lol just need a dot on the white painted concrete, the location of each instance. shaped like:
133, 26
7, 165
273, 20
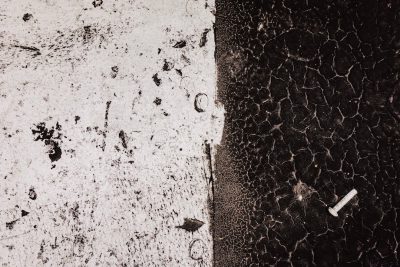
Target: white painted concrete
101, 203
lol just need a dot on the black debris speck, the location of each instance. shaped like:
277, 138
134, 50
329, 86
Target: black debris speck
191, 225
27, 16
55, 151
77, 118
114, 71
123, 137
156, 80
97, 3
32, 194
167, 65
42, 133
24, 213
180, 44
179, 72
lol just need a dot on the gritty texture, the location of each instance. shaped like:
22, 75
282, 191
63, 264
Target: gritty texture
311, 93
103, 154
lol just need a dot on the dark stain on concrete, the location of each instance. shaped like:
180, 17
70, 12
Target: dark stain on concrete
10, 225
203, 39
167, 65
51, 137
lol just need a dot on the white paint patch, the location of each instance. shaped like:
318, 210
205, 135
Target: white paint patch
133, 162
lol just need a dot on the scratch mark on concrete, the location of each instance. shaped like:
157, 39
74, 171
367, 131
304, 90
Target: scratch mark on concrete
105, 130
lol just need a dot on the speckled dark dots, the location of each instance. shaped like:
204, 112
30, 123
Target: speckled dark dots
157, 101
10, 225
310, 91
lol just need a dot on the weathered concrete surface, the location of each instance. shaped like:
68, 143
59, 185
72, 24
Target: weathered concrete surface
312, 98
103, 151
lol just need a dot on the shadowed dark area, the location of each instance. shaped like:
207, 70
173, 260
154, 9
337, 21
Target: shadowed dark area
311, 92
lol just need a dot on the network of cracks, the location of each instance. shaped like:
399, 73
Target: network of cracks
312, 99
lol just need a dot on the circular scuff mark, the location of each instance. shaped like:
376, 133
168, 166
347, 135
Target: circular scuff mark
196, 249
201, 102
